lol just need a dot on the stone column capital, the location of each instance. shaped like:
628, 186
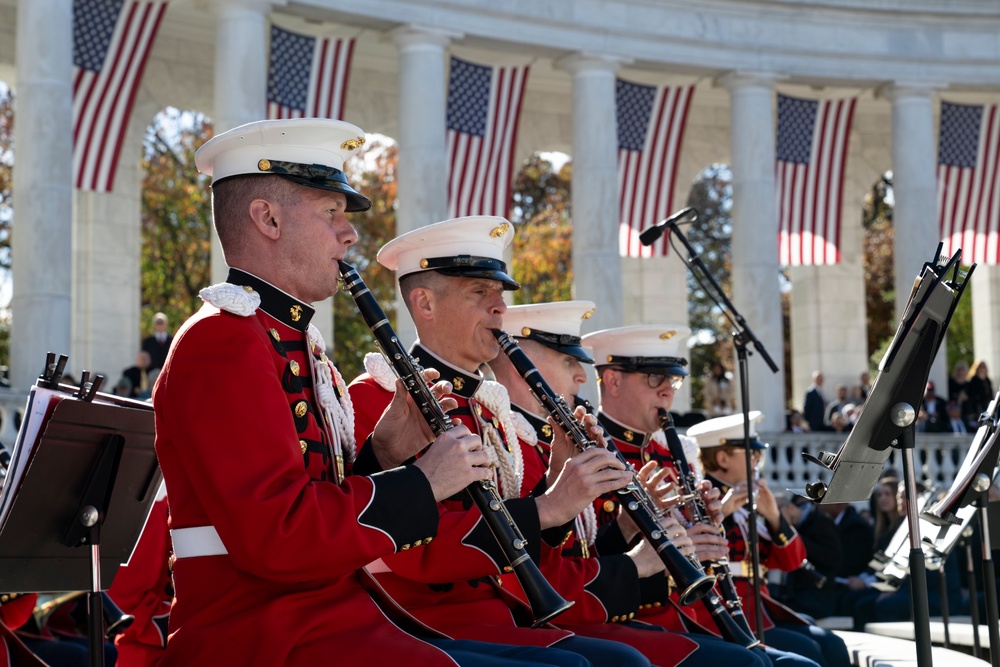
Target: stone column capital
415, 36
897, 91
740, 79
587, 61
223, 6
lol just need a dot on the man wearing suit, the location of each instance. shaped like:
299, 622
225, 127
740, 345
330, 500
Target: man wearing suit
159, 343
933, 413
814, 406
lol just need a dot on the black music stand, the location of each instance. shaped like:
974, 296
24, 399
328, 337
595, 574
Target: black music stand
888, 418
89, 481
971, 488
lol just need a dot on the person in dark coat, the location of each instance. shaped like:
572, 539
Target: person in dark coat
158, 344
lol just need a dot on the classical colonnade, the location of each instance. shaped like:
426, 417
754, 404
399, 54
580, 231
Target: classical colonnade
76, 276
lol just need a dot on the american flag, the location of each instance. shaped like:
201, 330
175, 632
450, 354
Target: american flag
484, 107
308, 76
968, 195
651, 123
111, 41
811, 155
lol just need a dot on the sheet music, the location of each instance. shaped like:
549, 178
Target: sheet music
41, 402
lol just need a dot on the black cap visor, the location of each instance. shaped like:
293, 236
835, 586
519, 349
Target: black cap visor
467, 266
318, 176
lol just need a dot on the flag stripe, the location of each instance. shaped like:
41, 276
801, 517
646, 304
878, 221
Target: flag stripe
651, 123
968, 197
809, 175
103, 98
308, 76
484, 108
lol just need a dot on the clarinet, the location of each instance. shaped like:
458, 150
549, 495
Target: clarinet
692, 581
544, 601
728, 616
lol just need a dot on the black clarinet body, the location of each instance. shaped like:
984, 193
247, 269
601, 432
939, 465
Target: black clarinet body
728, 612
691, 581
544, 601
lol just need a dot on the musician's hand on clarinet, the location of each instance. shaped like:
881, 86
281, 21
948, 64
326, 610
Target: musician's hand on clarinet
583, 478
712, 498
735, 498
767, 506
563, 446
709, 543
647, 562
454, 461
658, 485
670, 522
402, 431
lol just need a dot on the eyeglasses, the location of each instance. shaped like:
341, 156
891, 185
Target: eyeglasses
655, 380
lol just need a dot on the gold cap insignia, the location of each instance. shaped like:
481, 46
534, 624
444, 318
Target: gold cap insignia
629, 436
274, 334
458, 383
301, 409
525, 331
264, 165
668, 335
296, 312
499, 230
353, 144
610, 358
294, 367
587, 315
609, 506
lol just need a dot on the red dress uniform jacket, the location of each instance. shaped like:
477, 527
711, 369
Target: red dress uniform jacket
781, 550
659, 606
242, 451
143, 588
15, 611
456, 583
605, 589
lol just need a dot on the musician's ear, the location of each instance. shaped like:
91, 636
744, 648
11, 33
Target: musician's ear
421, 303
263, 215
611, 379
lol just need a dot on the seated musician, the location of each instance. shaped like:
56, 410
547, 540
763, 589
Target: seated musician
723, 457
269, 528
452, 277
610, 589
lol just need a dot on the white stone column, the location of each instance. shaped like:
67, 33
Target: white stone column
914, 180
597, 266
985, 297
755, 247
43, 188
423, 163
107, 253
240, 94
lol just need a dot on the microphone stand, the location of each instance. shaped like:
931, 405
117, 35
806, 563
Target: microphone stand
742, 337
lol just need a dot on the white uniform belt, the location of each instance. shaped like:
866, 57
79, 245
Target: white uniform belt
741, 568
197, 541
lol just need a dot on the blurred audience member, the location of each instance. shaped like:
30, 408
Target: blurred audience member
933, 415
138, 374
796, 423
720, 392
980, 390
814, 405
836, 405
158, 344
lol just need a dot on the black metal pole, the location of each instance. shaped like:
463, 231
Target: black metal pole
970, 569
944, 605
989, 583
904, 415
753, 539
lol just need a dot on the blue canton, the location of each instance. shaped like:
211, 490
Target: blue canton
469, 97
634, 105
291, 63
93, 27
796, 125
960, 127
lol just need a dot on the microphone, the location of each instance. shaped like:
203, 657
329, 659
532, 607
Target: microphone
649, 236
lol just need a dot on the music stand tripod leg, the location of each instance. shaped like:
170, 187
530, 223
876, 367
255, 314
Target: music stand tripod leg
989, 586
904, 415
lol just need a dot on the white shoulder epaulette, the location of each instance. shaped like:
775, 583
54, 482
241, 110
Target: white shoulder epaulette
231, 298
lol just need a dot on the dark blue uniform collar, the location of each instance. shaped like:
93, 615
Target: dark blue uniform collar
463, 384
621, 432
280, 305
